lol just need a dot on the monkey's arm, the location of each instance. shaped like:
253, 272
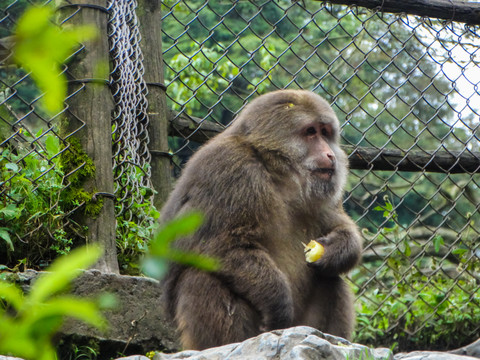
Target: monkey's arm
250, 273
343, 247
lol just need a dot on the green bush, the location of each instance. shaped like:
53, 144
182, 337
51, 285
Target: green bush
32, 216
411, 302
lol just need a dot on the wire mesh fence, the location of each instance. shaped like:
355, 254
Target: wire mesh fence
32, 221
404, 87
131, 157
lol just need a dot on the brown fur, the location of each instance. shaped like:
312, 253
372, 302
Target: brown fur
262, 187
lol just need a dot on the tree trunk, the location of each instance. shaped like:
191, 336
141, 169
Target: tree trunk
150, 23
89, 110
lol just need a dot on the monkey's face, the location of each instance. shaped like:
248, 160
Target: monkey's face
320, 158
312, 135
323, 162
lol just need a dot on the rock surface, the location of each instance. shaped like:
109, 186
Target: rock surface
137, 324
432, 355
300, 342
470, 350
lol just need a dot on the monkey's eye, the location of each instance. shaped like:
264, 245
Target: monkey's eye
325, 132
310, 131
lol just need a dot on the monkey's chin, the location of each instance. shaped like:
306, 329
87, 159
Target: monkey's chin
322, 186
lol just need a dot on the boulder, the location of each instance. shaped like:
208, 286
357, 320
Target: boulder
431, 355
470, 350
137, 324
300, 342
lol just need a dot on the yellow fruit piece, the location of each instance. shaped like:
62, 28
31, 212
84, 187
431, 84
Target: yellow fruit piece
313, 251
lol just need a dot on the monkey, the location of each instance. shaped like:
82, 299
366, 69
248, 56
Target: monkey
272, 180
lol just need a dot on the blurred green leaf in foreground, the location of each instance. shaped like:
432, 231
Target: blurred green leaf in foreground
41, 47
28, 322
161, 253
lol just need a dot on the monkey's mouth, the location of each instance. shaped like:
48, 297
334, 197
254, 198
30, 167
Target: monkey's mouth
324, 173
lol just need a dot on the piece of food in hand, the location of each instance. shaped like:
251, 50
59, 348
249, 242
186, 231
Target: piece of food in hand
313, 251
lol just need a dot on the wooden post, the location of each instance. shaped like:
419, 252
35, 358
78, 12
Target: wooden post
149, 16
89, 122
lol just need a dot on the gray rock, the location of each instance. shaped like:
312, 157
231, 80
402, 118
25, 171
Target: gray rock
470, 350
137, 325
431, 355
300, 342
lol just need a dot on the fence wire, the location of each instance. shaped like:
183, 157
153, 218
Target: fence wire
131, 157
397, 82
41, 166
34, 227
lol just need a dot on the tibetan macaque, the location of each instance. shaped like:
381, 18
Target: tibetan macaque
268, 185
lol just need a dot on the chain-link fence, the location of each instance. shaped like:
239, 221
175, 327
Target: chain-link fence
54, 186
406, 91
404, 87
32, 222
131, 156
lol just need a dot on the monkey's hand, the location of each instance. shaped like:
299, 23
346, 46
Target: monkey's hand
342, 250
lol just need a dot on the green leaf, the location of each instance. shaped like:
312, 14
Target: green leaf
408, 250
63, 271
12, 166
191, 259
4, 234
52, 144
438, 242
459, 251
27, 331
388, 206
177, 228
11, 294
41, 47
19, 345
160, 253
9, 212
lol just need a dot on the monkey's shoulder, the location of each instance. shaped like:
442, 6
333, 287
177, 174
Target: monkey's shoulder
229, 159
224, 174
